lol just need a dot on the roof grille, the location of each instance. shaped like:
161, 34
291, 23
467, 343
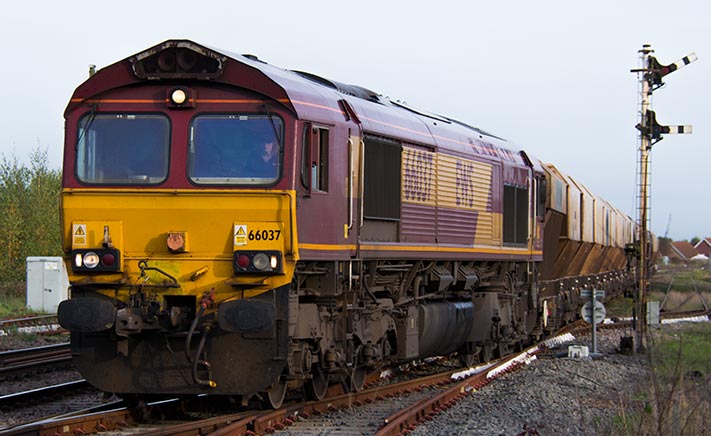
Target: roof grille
177, 60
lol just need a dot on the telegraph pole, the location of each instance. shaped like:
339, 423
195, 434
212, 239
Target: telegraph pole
650, 76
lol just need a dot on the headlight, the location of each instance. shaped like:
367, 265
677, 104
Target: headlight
181, 97
91, 259
260, 261
178, 96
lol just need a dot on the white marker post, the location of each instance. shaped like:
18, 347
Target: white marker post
593, 312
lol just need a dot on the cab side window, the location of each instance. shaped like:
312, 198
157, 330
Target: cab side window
314, 159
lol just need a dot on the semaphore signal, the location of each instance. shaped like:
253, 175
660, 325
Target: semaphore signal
655, 70
654, 131
650, 76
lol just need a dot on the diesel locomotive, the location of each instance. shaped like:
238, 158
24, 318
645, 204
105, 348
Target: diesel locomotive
234, 228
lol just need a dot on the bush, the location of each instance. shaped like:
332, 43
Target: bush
29, 214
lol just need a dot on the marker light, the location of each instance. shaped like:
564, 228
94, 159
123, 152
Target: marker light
243, 261
274, 262
108, 259
178, 97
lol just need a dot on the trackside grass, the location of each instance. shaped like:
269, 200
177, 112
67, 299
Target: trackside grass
12, 300
676, 401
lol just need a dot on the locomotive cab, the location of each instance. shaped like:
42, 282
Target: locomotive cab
178, 214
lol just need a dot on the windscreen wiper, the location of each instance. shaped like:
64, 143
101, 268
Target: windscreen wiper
274, 127
90, 121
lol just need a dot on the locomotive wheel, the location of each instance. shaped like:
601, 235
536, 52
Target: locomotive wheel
137, 408
358, 375
317, 386
502, 349
274, 396
469, 355
485, 353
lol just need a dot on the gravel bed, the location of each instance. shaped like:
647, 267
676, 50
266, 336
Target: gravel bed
552, 396
19, 341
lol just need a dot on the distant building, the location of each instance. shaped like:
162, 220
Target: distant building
704, 247
682, 251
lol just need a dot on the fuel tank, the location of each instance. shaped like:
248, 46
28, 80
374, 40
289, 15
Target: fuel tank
444, 327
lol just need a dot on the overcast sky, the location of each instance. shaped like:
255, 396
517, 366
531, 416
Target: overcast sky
552, 76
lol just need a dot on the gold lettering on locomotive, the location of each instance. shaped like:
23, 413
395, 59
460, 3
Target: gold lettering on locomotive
418, 176
465, 184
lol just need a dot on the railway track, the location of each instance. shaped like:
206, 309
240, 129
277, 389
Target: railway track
388, 398
388, 409
41, 381
25, 359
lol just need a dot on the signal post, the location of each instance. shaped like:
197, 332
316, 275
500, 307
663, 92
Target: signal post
650, 76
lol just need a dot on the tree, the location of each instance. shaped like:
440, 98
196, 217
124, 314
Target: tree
695, 240
29, 213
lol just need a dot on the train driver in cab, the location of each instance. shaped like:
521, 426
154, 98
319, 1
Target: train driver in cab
265, 163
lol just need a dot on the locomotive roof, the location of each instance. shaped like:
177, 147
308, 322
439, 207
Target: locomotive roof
308, 96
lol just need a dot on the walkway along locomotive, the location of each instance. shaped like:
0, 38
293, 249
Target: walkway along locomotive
237, 229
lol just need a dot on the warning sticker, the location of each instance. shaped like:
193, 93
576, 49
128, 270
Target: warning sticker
240, 234
78, 235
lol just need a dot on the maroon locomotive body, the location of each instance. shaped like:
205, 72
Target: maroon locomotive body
238, 229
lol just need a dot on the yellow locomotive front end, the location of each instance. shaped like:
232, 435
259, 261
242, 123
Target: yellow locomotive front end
179, 229
196, 241
180, 284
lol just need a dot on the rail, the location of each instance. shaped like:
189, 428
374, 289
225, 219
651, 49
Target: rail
22, 360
